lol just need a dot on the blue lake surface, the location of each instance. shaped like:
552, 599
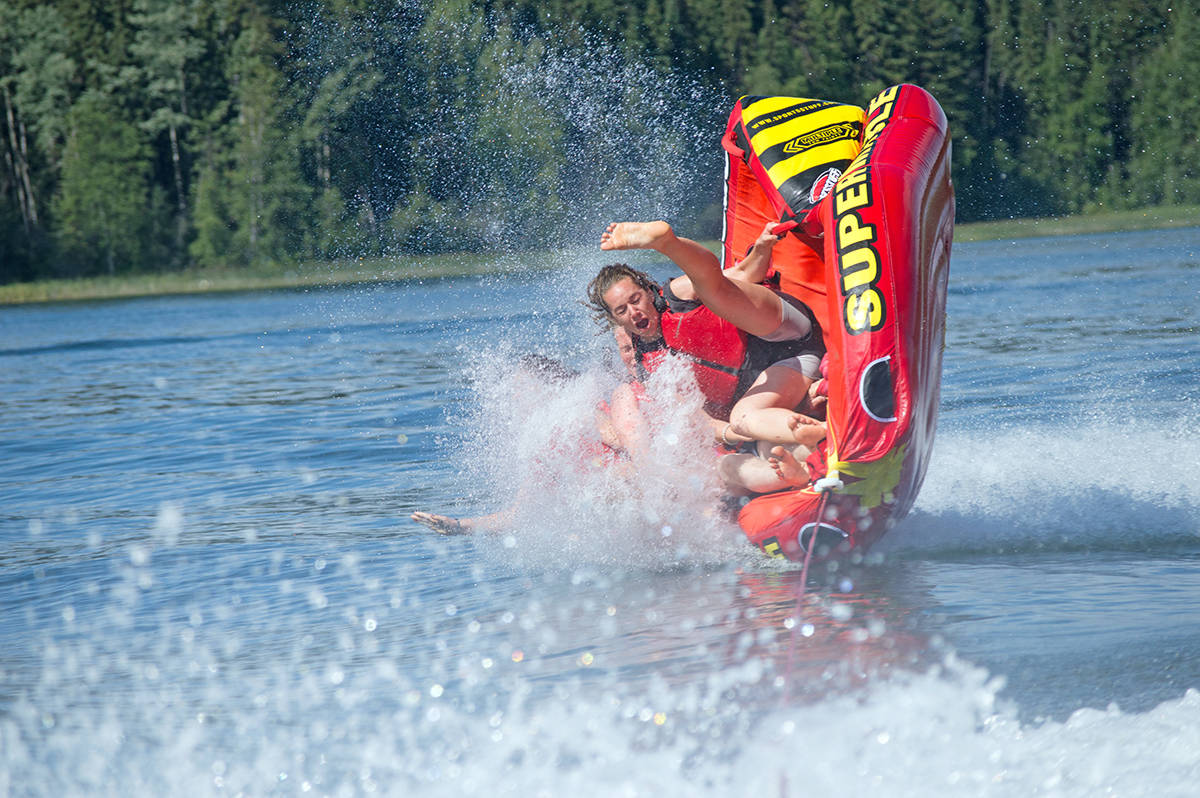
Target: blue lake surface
209, 584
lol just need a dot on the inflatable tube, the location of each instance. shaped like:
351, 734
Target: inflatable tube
872, 224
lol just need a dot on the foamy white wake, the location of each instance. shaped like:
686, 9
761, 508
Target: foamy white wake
940, 733
1119, 485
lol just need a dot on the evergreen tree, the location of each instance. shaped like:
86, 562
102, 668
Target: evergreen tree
661, 32
889, 41
165, 44
516, 149
947, 64
249, 181
351, 78
282, 130
36, 89
764, 76
212, 214
101, 205
1165, 163
18, 204
100, 33
823, 51
448, 98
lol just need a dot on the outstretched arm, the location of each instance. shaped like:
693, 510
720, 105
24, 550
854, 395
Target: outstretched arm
749, 306
445, 525
750, 269
753, 268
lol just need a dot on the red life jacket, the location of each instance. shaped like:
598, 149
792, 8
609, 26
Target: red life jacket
718, 352
725, 359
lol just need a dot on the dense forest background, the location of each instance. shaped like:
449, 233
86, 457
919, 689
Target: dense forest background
141, 135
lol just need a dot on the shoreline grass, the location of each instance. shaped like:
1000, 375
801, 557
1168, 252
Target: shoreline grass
381, 270
1162, 218
261, 278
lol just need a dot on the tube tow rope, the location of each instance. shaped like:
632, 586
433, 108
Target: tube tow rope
824, 486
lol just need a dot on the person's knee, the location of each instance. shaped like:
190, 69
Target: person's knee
730, 472
738, 418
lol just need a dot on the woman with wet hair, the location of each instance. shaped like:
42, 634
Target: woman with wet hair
756, 352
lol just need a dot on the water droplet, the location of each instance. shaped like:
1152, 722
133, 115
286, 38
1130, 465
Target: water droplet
169, 522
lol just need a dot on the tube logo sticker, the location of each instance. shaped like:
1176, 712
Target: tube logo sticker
824, 135
771, 548
863, 305
823, 185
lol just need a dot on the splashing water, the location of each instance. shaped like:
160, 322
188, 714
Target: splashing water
534, 442
493, 135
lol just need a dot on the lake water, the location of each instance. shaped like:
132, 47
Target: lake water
209, 584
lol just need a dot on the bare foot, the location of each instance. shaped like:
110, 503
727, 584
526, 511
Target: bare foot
806, 430
634, 235
789, 469
443, 525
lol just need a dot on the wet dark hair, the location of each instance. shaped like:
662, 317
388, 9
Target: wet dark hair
548, 368
608, 277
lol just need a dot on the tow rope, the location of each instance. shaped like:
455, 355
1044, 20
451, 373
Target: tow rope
825, 486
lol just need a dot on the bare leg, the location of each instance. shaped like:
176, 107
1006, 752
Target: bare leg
790, 470
747, 474
749, 306
608, 432
628, 423
765, 412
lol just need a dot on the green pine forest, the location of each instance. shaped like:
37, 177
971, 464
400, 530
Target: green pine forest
157, 135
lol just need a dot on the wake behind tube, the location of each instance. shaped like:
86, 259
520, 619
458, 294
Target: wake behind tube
887, 227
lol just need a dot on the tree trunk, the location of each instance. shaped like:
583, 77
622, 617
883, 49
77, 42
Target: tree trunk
181, 201
19, 162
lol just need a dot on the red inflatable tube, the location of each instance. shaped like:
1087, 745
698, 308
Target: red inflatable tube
887, 227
